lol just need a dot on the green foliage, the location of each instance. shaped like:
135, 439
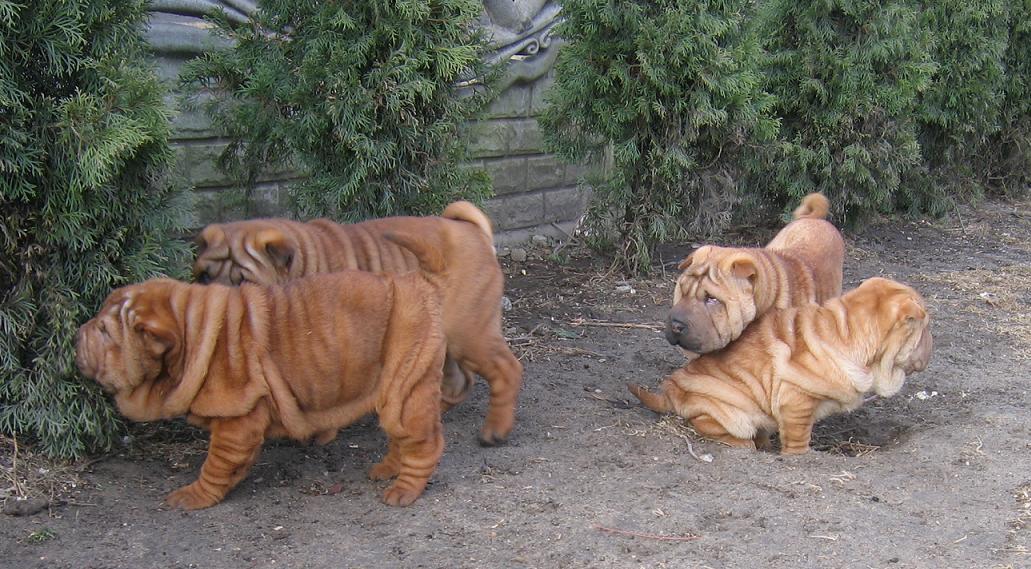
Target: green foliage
1009, 152
359, 97
666, 94
847, 75
41, 535
86, 205
961, 109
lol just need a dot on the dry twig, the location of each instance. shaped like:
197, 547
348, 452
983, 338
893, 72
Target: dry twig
602, 324
686, 537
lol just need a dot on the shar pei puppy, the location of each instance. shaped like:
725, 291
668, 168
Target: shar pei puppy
270, 251
298, 361
797, 365
722, 289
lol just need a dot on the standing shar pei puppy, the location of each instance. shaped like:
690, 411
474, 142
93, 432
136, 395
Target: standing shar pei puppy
269, 251
298, 361
798, 365
722, 289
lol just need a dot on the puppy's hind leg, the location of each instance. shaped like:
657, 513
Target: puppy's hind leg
710, 428
658, 402
490, 357
456, 386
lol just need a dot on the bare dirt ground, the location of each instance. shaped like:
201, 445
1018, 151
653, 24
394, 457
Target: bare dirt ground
937, 476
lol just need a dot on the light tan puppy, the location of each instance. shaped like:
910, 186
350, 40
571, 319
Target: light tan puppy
722, 289
298, 361
797, 365
270, 251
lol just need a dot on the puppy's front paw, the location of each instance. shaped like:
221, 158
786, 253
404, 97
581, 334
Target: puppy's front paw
191, 497
384, 470
396, 496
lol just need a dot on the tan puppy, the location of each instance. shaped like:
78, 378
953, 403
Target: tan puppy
270, 251
721, 289
797, 365
299, 361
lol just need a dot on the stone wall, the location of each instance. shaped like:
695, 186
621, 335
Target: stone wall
535, 194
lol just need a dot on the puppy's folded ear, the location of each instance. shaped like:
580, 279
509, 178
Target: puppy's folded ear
157, 340
910, 311
742, 267
690, 258
211, 236
279, 248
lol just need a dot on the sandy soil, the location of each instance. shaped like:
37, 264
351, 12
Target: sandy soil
938, 476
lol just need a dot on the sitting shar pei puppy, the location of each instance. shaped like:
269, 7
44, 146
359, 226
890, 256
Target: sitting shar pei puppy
797, 365
269, 251
298, 361
722, 289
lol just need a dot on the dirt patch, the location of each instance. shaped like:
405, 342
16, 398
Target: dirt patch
936, 476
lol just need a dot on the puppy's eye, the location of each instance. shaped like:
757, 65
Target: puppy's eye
203, 277
710, 301
103, 329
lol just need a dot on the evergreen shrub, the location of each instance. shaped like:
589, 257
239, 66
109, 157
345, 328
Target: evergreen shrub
847, 75
358, 97
961, 110
667, 95
1009, 151
86, 204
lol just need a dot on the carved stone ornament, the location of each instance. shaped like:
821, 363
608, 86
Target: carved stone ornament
519, 31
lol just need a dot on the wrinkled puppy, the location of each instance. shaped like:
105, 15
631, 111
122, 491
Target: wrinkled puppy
298, 361
797, 365
270, 251
722, 289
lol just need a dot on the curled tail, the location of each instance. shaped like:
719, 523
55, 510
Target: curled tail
658, 402
428, 250
465, 211
814, 206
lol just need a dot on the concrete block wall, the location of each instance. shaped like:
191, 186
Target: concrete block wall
535, 193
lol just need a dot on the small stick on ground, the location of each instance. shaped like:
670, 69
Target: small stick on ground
687, 537
19, 488
599, 323
703, 458
574, 351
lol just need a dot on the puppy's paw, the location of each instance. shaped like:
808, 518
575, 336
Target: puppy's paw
384, 470
495, 433
325, 437
191, 497
490, 439
395, 496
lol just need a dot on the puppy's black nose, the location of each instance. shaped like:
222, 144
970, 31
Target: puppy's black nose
674, 328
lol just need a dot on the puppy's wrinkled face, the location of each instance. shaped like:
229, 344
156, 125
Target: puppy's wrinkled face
907, 345
254, 251
124, 345
713, 300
